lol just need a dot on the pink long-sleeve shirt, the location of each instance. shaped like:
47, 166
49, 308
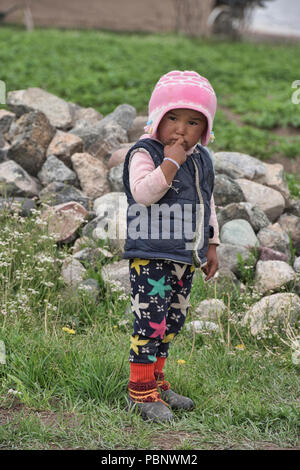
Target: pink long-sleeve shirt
148, 184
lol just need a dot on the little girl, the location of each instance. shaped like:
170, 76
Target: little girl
167, 169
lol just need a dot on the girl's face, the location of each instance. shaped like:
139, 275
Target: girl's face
184, 123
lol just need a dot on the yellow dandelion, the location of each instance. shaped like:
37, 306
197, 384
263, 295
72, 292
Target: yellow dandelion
115, 327
69, 330
241, 347
181, 361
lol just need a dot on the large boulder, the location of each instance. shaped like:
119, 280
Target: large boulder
117, 275
35, 99
64, 220
92, 174
15, 181
274, 310
210, 309
64, 145
228, 256
274, 237
6, 119
238, 232
267, 199
73, 272
32, 134
239, 165
59, 193
272, 275
111, 219
123, 115
54, 170
243, 210
137, 128
291, 225
227, 190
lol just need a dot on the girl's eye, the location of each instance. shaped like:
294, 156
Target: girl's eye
193, 123
172, 118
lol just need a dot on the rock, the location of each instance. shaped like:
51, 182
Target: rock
64, 145
137, 128
35, 99
267, 199
119, 155
201, 326
267, 254
118, 271
92, 174
274, 178
293, 207
4, 149
225, 279
111, 219
243, 210
115, 177
238, 232
291, 225
297, 265
100, 139
92, 255
276, 308
112, 136
6, 119
24, 206
15, 181
54, 170
81, 243
227, 190
123, 115
275, 238
228, 256
87, 114
210, 309
32, 135
64, 220
72, 271
272, 275
60, 193
240, 165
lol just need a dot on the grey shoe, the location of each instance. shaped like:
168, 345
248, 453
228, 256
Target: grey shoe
155, 411
177, 401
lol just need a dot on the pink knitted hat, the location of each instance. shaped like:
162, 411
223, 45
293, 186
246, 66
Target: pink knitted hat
185, 89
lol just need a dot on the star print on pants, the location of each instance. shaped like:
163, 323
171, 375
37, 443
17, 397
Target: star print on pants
159, 287
135, 342
159, 328
183, 305
137, 262
136, 305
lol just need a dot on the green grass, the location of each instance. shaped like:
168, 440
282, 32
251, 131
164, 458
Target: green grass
62, 390
67, 391
105, 69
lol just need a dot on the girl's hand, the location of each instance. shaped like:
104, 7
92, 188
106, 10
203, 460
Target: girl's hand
176, 151
212, 265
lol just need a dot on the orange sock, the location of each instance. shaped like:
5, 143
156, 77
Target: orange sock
142, 384
141, 372
159, 375
159, 364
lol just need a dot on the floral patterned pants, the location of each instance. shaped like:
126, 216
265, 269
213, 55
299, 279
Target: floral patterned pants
160, 299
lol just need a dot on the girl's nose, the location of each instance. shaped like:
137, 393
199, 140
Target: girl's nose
180, 128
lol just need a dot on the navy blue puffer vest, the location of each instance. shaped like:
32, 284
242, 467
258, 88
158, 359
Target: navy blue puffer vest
177, 226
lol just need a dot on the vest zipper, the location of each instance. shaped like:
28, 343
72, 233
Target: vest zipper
199, 234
